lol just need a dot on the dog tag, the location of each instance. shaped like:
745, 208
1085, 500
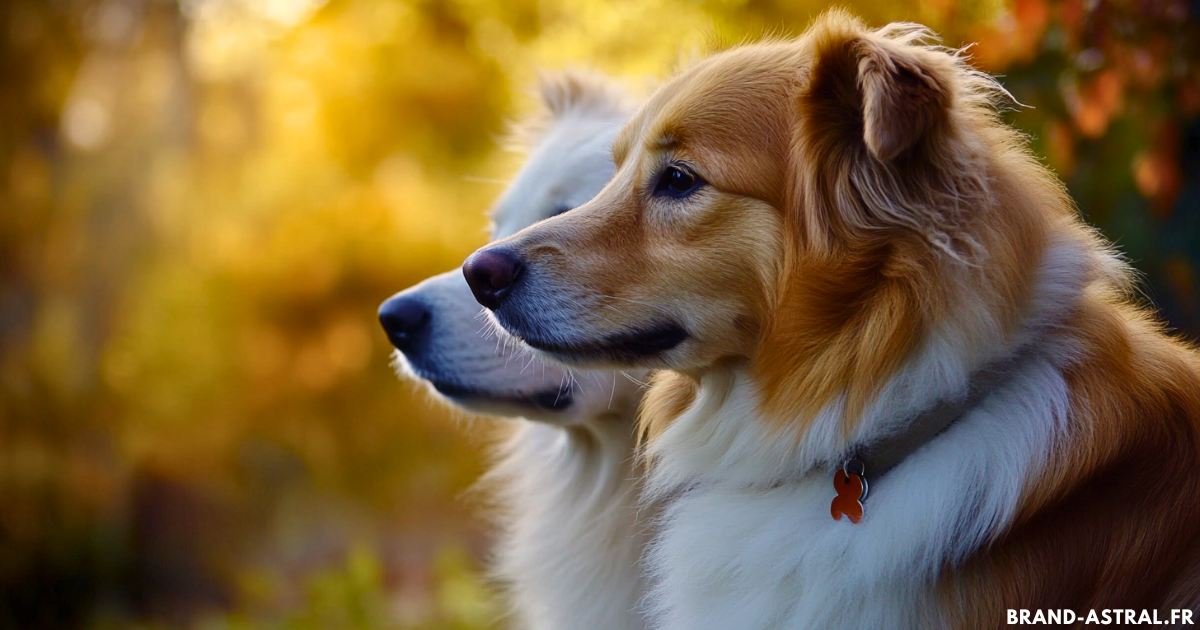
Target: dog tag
851, 490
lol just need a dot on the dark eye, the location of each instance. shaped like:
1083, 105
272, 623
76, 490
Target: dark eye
677, 182
558, 210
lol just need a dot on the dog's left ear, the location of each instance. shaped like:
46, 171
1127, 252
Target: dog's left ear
882, 123
875, 86
564, 93
902, 99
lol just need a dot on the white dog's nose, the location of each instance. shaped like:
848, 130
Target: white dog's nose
405, 319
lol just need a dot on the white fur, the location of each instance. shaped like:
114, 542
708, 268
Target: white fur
564, 485
747, 540
572, 541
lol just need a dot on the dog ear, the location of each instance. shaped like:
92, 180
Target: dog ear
902, 100
880, 137
876, 86
568, 91
563, 93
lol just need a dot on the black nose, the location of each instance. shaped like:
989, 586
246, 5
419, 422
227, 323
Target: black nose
492, 273
405, 319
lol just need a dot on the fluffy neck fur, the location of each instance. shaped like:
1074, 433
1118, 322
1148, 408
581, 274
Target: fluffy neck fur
571, 538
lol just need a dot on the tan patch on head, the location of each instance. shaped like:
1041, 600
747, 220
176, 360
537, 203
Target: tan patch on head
731, 116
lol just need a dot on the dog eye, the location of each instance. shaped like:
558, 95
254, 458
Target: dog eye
677, 182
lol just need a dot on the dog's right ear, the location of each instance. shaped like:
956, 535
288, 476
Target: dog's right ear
578, 91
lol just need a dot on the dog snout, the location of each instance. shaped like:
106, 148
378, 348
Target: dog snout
492, 274
405, 319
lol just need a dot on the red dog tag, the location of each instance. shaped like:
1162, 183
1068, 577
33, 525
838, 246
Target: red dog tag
850, 492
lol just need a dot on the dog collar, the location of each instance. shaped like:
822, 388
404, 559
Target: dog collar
879, 457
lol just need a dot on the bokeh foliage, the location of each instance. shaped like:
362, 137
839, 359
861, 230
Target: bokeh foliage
204, 201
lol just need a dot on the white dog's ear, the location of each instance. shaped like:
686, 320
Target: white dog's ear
568, 91
875, 85
562, 93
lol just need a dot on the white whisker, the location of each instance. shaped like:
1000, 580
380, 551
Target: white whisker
634, 380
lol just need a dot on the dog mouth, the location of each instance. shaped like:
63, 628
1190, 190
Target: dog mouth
624, 347
556, 399
485, 399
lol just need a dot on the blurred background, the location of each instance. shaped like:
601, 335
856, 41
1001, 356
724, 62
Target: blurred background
202, 202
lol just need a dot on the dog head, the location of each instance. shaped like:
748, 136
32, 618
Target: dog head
791, 204
436, 326
667, 266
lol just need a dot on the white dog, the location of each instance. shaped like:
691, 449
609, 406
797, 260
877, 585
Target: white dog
565, 483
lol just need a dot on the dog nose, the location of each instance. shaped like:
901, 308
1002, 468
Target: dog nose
405, 319
491, 273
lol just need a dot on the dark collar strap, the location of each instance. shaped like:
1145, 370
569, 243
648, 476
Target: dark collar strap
878, 458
